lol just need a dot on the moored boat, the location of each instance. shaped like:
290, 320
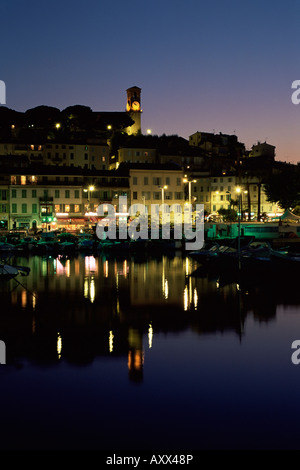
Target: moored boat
8, 271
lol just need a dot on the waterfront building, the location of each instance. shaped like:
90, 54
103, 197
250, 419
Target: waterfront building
219, 192
156, 184
58, 197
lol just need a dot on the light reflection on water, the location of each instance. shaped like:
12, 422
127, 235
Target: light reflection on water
178, 358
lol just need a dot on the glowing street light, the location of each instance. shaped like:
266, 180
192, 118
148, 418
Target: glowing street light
89, 190
163, 193
189, 181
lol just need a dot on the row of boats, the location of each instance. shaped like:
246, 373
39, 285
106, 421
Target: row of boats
66, 243
247, 256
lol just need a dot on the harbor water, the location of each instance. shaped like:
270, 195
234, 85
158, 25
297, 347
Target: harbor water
116, 353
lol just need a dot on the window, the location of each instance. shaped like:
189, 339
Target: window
13, 193
67, 194
67, 208
14, 208
4, 195
178, 195
23, 179
34, 208
178, 181
57, 207
33, 193
57, 194
135, 180
146, 195
134, 195
76, 207
77, 194
157, 181
24, 193
24, 208
86, 156
71, 156
167, 180
145, 180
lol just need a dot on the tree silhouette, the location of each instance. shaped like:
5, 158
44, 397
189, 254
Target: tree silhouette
283, 187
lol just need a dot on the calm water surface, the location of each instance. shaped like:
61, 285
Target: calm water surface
145, 353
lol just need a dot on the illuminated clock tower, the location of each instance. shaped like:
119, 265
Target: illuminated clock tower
133, 108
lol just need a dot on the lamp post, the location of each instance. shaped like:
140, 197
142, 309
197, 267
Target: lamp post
189, 181
238, 190
162, 188
89, 190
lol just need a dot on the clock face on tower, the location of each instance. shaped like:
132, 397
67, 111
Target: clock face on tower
135, 106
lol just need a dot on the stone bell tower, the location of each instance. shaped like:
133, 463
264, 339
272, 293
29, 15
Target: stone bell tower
133, 108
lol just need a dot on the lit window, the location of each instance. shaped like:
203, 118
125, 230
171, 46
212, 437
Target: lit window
23, 179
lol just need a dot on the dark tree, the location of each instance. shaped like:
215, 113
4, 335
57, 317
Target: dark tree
43, 117
283, 187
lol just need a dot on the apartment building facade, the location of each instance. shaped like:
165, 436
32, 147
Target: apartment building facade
86, 155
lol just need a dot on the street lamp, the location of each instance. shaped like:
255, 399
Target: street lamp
239, 193
189, 181
163, 193
162, 188
89, 190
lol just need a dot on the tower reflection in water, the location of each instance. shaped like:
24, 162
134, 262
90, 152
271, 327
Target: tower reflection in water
78, 309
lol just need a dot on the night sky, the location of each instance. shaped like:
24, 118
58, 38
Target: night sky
216, 66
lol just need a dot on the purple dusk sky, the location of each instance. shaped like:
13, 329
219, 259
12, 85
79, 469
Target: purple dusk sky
216, 66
